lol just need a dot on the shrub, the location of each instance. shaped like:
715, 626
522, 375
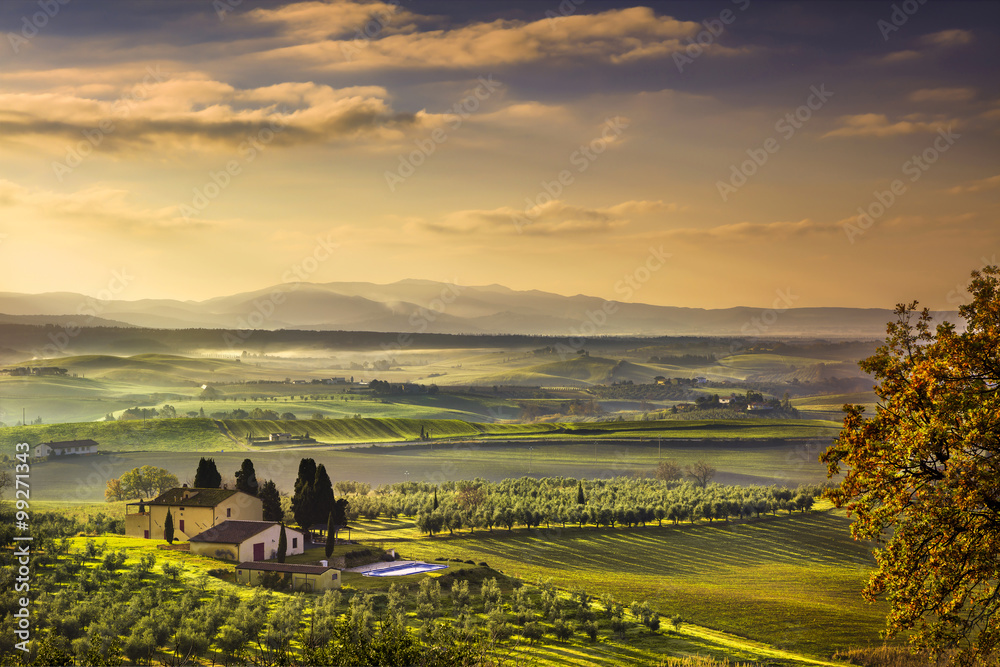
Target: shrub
562, 631
532, 632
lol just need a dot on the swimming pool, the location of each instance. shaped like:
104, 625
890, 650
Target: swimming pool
402, 569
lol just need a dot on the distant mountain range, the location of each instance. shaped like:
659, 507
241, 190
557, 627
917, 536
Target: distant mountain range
422, 306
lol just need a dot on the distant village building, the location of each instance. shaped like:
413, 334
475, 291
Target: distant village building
246, 541
193, 511
307, 578
65, 448
34, 370
279, 437
759, 407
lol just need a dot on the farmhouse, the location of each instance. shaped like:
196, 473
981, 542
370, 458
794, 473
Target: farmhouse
193, 511
66, 448
279, 437
246, 541
300, 577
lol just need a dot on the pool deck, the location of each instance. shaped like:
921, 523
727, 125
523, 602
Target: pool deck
400, 567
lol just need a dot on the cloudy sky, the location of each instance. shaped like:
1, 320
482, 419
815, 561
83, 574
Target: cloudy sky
205, 148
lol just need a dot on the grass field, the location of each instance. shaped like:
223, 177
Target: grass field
204, 435
791, 582
781, 590
788, 463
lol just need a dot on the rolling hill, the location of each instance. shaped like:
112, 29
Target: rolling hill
434, 307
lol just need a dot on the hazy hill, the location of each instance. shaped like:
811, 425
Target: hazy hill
422, 306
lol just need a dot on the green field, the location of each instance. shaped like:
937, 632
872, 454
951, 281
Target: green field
788, 463
782, 590
194, 435
639, 645
790, 582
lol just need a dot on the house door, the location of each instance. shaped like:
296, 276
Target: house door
182, 525
145, 534
258, 551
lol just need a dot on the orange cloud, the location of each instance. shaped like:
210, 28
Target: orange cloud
614, 36
552, 218
943, 95
95, 205
878, 125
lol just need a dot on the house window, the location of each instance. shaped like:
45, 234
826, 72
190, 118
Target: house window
229, 512
295, 543
182, 509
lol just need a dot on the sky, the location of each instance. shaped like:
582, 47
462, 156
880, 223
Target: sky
707, 154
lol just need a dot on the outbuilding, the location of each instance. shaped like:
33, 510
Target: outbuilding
246, 541
65, 448
306, 578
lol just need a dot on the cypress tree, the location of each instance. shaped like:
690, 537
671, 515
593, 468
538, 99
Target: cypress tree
331, 532
246, 478
282, 544
207, 475
435, 498
168, 528
322, 495
580, 499
271, 502
303, 497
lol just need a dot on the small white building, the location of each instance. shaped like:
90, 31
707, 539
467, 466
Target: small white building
279, 437
246, 541
65, 448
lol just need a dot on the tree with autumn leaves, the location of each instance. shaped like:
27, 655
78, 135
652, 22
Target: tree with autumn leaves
923, 476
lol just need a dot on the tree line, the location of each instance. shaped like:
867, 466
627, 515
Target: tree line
560, 501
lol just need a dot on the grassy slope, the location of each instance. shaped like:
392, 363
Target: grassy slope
184, 435
788, 463
639, 646
196, 435
792, 582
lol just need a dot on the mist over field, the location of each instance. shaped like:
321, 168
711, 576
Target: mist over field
595, 316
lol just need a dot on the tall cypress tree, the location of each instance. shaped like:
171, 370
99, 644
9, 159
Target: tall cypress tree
435, 498
168, 528
246, 478
331, 535
303, 497
580, 498
207, 475
282, 544
322, 495
340, 514
271, 502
